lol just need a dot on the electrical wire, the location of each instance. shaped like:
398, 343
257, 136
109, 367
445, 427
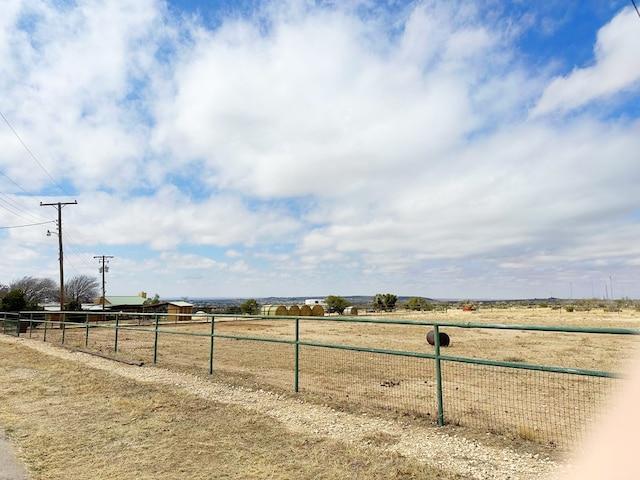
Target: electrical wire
19, 209
5, 176
32, 155
28, 225
92, 231
15, 213
86, 258
636, 7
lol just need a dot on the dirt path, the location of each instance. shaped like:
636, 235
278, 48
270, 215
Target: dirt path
10, 467
469, 458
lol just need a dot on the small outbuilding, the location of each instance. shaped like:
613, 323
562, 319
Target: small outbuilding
179, 311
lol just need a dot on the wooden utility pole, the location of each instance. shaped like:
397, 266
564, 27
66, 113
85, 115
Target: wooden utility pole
103, 270
59, 205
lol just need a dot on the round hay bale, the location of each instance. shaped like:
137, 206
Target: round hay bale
353, 311
317, 311
273, 310
294, 310
305, 311
444, 339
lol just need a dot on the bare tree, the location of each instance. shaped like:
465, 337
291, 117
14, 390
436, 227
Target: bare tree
81, 288
4, 289
36, 289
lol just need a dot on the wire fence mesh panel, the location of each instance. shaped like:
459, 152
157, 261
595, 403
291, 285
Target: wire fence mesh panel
545, 407
11, 326
258, 362
401, 385
134, 343
181, 349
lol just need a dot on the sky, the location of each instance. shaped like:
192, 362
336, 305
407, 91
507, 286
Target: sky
256, 148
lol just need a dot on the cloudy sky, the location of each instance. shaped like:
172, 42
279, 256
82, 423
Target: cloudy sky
445, 149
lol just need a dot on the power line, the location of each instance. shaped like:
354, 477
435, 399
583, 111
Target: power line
5, 176
83, 256
91, 230
32, 155
636, 7
18, 209
29, 225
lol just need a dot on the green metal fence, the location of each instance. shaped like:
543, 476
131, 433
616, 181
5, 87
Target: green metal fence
544, 403
10, 324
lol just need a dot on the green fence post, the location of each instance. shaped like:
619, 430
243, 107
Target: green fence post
155, 342
115, 340
30, 324
44, 335
64, 323
436, 344
297, 356
211, 347
86, 329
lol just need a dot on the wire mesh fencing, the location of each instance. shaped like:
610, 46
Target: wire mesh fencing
382, 366
401, 385
546, 407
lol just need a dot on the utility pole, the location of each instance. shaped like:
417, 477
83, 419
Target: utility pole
59, 205
103, 270
611, 283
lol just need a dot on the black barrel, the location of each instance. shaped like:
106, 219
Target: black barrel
444, 339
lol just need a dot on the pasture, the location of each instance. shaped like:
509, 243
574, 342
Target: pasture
550, 409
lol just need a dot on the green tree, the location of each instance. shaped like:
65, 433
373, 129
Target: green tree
390, 301
152, 301
336, 304
73, 306
417, 304
14, 301
386, 302
250, 307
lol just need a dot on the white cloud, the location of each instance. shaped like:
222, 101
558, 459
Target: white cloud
70, 74
309, 148
616, 69
312, 106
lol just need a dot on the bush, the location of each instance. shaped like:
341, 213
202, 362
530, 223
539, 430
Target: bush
417, 304
14, 301
250, 307
336, 304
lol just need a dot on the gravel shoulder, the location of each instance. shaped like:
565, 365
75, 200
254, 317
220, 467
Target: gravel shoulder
469, 458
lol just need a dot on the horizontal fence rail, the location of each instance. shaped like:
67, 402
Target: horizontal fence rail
548, 404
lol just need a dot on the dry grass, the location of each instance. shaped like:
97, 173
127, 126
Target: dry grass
71, 421
553, 409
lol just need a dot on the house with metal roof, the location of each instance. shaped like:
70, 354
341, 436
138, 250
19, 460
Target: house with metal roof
125, 302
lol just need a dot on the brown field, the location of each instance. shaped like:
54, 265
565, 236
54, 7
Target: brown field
68, 420
548, 408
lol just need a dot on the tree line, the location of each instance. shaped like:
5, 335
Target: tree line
335, 304
28, 293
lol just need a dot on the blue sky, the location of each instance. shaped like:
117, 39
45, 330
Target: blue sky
305, 148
